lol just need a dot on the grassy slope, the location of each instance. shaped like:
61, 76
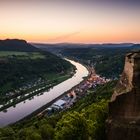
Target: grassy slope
21, 55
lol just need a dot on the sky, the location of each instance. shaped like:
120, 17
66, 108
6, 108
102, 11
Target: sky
72, 21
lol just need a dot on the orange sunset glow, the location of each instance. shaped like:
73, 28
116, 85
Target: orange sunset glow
70, 21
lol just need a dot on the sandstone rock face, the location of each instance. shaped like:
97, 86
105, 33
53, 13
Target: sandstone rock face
123, 122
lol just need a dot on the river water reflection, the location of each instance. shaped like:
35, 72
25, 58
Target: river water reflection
26, 107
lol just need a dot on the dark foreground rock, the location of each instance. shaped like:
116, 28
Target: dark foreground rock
123, 122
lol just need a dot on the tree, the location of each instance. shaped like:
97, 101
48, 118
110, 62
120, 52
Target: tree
96, 115
47, 132
72, 126
7, 133
34, 136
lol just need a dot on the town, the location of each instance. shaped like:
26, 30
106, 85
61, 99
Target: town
76, 93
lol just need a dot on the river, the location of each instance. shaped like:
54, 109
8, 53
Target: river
25, 108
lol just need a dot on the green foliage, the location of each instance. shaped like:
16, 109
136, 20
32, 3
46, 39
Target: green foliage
47, 132
18, 69
84, 121
7, 134
34, 136
96, 115
21, 55
72, 126
108, 61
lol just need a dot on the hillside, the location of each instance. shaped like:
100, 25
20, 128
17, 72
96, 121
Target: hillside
84, 121
107, 59
23, 68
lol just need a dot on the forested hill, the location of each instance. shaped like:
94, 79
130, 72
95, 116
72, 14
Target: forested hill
108, 60
22, 65
16, 45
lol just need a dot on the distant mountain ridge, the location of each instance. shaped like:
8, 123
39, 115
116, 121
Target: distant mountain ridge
80, 45
16, 45
59, 47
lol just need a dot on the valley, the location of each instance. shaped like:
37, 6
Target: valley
75, 100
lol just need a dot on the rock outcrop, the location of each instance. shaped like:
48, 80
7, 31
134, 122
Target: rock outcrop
123, 122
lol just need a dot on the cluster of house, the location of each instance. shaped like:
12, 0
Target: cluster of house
93, 81
29, 85
75, 94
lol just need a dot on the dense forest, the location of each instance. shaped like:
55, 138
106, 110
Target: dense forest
16, 70
23, 67
108, 61
84, 121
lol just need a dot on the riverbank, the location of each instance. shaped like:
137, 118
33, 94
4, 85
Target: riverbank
38, 90
50, 103
80, 91
22, 110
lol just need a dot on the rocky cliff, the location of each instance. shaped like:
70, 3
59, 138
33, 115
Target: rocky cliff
123, 122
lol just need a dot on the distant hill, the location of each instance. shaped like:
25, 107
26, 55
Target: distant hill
16, 45
58, 48
80, 45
